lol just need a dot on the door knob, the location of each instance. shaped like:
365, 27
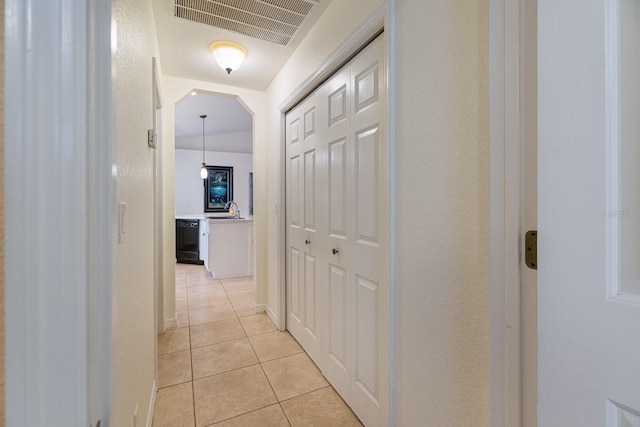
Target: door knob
335, 251
307, 242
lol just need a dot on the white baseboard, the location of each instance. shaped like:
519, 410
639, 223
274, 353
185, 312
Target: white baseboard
272, 315
172, 322
259, 308
152, 404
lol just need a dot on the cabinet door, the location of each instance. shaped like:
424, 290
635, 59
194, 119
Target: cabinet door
229, 248
204, 243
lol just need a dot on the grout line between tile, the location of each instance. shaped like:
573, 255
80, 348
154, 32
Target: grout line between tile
193, 391
269, 381
173, 385
309, 392
225, 372
245, 413
285, 414
193, 403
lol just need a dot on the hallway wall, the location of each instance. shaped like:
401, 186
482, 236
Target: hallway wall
442, 198
133, 303
442, 212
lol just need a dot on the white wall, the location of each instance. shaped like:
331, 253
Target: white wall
189, 189
174, 90
442, 198
442, 216
133, 301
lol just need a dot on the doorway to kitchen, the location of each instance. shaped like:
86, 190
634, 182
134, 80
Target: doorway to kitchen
214, 132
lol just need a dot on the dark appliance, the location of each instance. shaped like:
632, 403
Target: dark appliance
188, 241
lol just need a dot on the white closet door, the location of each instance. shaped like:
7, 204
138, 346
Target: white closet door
367, 178
304, 298
337, 95
337, 233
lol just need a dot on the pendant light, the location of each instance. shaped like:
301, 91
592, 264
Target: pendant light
203, 172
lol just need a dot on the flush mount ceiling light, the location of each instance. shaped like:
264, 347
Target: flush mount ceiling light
229, 55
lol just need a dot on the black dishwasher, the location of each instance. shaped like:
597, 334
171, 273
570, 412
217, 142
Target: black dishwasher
188, 241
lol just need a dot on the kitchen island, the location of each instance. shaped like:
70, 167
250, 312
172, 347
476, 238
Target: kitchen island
229, 246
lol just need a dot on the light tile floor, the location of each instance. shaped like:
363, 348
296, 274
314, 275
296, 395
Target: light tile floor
227, 366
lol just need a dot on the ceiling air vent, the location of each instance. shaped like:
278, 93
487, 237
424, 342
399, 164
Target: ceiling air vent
275, 21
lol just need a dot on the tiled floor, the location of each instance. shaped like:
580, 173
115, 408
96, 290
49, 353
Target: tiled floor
227, 366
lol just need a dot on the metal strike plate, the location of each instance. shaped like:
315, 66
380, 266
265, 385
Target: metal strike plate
531, 249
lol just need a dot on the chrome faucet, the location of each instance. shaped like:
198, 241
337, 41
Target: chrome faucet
234, 210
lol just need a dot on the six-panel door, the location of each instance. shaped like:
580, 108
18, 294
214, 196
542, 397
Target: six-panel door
339, 170
304, 301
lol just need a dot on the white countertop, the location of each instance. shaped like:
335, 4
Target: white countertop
214, 218
190, 216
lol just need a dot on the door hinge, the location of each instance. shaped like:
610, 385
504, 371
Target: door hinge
531, 249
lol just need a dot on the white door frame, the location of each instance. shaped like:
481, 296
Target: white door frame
158, 264
505, 203
59, 238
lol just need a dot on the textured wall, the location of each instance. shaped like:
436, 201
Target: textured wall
442, 213
133, 303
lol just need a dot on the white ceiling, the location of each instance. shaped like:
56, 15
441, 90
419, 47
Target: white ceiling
184, 52
225, 115
184, 48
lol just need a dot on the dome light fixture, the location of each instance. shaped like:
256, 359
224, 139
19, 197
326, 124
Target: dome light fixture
229, 55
